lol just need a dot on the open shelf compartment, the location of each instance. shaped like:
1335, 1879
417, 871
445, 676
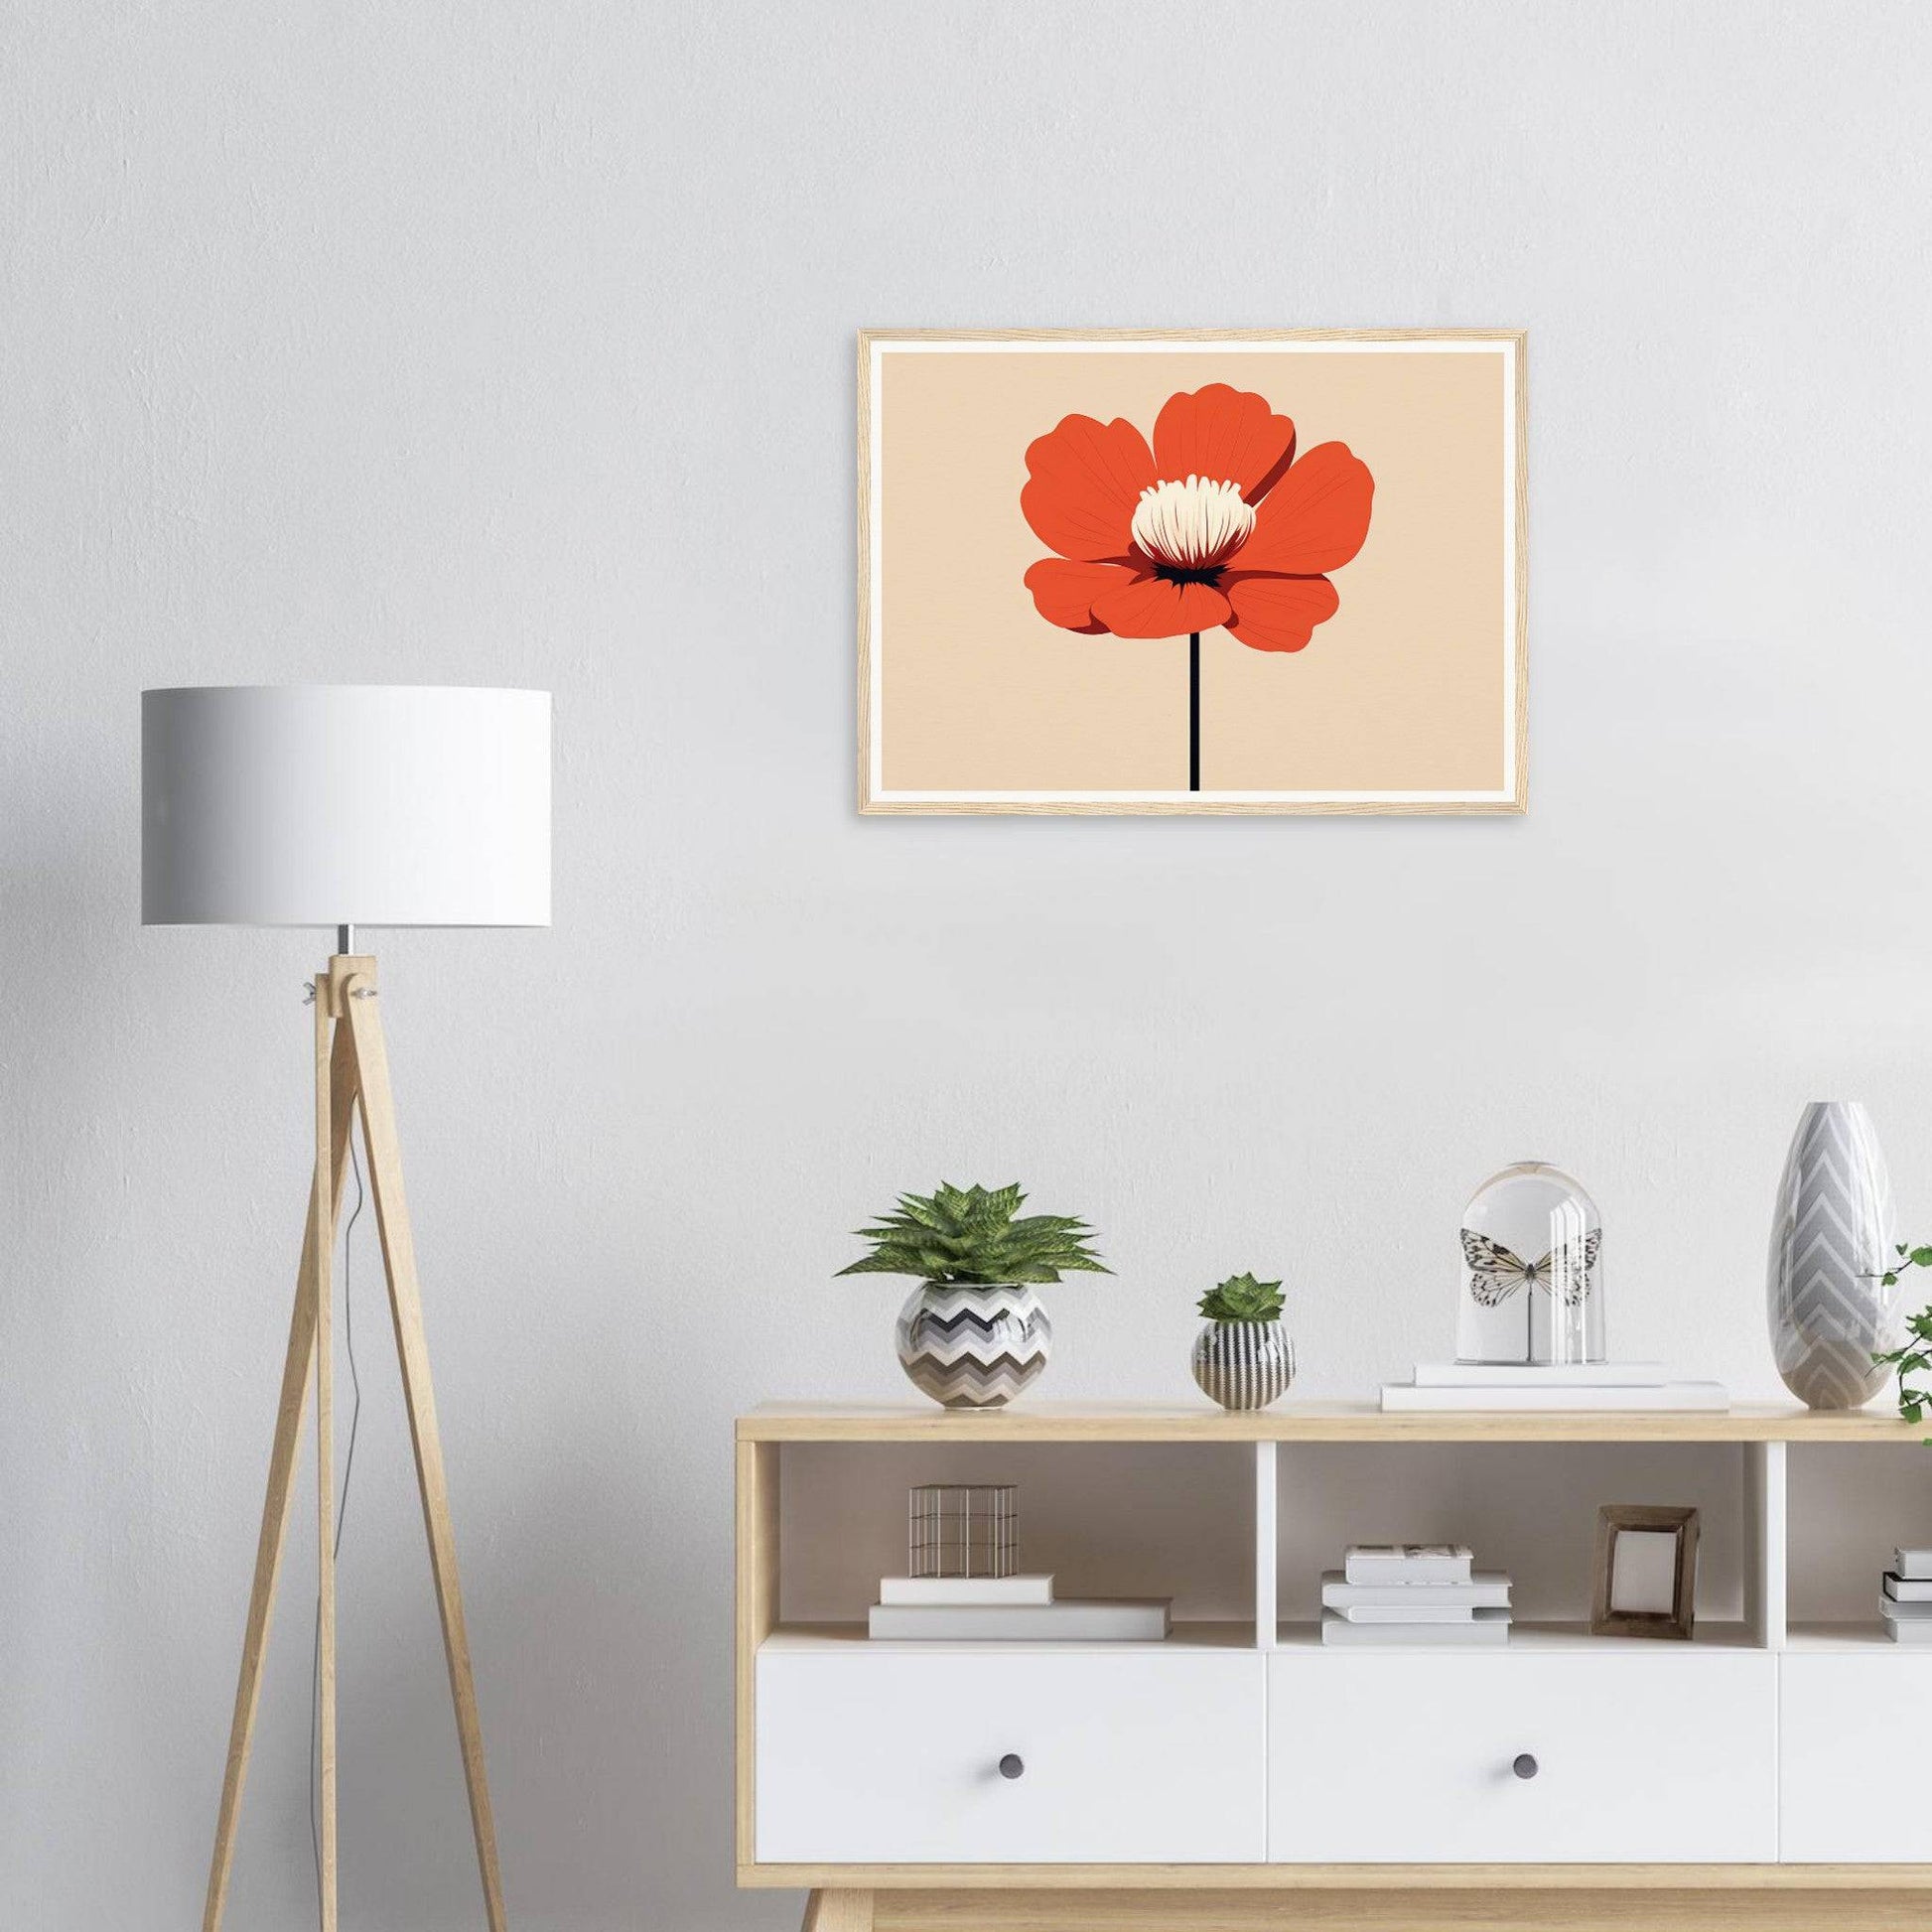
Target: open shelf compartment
1114, 1519
1234, 1517
1847, 1510
1531, 1514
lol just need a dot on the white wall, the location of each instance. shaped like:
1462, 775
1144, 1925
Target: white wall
514, 343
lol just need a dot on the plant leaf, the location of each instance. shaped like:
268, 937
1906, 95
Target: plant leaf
971, 1235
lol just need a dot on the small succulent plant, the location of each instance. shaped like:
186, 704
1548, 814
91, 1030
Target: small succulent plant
1243, 1299
975, 1237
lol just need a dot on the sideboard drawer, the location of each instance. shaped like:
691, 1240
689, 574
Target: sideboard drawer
1852, 1757
1408, 1757
874, 1754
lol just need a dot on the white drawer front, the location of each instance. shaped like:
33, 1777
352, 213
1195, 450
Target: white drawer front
1408, 1757
1853, 1787
877, 1756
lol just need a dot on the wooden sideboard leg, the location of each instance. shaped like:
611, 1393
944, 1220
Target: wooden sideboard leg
838, 1911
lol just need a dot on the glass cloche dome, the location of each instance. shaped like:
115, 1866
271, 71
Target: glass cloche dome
1531, 1288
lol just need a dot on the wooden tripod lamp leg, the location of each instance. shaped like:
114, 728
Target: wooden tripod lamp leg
323, 1247
341, 1094
405, 1304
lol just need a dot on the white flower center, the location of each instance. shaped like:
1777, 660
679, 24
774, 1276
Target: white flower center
1191, 526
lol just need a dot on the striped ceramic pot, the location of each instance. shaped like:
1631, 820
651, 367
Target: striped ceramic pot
973, 1347
1243, 1364
1831, 1241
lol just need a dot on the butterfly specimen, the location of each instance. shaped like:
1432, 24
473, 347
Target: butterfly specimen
1495, 1274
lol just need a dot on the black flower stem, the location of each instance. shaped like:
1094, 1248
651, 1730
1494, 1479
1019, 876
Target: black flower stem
1193, 711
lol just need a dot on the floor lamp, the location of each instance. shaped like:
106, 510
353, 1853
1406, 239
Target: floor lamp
347, 806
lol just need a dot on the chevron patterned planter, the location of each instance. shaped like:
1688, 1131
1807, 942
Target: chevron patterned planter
973, 1347
1831, 1239
1243, 1364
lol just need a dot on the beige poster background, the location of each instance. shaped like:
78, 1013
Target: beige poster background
1403, 689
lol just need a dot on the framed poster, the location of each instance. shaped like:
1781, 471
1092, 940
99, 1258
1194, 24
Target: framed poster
1208, 571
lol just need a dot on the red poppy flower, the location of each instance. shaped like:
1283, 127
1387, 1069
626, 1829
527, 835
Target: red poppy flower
1218, 524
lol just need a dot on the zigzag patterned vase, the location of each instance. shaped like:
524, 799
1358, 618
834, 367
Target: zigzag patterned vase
973, 1347
1831, 1241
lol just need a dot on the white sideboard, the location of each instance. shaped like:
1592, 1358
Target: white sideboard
1763, 1775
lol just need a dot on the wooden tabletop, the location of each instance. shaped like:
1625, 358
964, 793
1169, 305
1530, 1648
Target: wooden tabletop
1307, 1422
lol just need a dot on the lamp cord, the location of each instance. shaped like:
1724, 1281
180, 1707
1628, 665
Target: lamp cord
342, 1506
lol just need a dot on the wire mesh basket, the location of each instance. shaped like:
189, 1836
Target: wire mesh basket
962, 1528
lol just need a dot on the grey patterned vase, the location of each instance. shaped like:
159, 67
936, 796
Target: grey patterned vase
1831, 1241
1243, 1364
973, 1347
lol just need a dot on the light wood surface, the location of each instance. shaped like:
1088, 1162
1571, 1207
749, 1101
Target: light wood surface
981, 1880
405, 1306
1400, 1911
1310, 1422
869, 802
322, 1254
839, 1911
276, 1504
864, 579
756, 1613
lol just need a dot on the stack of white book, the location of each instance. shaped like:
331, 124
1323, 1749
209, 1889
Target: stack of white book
1549, 1385
1905, 1598
1413, 1593
950, 1609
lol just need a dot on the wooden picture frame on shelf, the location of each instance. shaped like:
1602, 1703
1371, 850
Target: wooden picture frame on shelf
1632, 1593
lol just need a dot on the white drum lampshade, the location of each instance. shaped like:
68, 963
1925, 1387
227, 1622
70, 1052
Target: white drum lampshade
344, 805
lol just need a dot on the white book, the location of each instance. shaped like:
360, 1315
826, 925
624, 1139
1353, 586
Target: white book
1483, 1627
1908, 1589
1910, 1632
1408, 1563
959, 1590
1486, 1590
1412, 1615
1915, 1566
1539, 1375
1906, 1613
1700, 1396
1072, 1620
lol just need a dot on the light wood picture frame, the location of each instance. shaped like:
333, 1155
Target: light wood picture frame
1193, 571
1645, 1599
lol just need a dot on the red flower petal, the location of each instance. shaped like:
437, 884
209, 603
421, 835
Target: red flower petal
1150, 607
1314, 519
1278, 613
1225, 435
1063, 592
1084, 479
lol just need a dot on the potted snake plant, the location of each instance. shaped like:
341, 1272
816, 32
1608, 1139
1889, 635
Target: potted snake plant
1243, 1356
974, 1334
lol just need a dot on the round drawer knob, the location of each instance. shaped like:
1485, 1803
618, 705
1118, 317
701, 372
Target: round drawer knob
1012, 1766
1526, 1766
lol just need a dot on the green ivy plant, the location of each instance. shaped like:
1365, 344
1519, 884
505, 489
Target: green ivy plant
1915, 1359
1243, 1299
975, 1237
